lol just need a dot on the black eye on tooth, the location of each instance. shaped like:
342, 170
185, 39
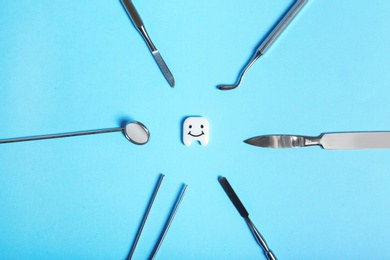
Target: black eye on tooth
201, 126
190, 126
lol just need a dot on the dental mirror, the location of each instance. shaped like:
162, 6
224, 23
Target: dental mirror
135, 132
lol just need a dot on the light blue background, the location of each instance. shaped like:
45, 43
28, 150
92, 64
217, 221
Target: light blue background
81, 65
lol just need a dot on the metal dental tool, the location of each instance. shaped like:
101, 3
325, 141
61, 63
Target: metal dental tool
333, 141
241, 209
169, 222
135, 132
269, 40
145, 217
167, 225
137, 21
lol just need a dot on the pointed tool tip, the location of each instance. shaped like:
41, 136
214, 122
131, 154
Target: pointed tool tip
172, 82
248, 141
259, 141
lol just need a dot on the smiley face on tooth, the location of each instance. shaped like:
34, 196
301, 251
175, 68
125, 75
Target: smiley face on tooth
196, 128
195, 135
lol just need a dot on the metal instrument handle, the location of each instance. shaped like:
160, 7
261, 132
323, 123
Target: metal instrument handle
278, 29
134, 16
260, 240
312, 140
137, 21
71, 134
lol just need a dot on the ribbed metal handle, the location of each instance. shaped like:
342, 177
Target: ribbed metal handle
274, 34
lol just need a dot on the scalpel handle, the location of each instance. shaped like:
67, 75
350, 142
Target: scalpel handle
355, 140
278, 29
137, 21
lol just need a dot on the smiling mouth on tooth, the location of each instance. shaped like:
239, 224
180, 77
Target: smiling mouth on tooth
195, 135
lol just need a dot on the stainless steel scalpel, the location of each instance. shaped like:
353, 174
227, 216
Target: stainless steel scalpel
137, 21
333, 141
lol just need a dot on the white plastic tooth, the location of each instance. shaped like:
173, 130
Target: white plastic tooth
196, 129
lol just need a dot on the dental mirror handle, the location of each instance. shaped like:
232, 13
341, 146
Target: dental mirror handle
71, 134
278, 29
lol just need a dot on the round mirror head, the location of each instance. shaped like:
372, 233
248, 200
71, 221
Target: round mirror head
136, 133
